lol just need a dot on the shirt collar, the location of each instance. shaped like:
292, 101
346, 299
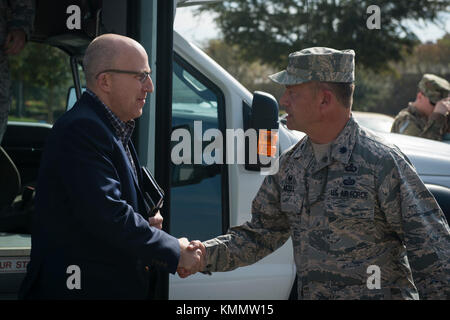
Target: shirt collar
124, 130
340, 149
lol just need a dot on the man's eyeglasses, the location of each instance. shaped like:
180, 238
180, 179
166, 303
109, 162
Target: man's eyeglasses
141, 76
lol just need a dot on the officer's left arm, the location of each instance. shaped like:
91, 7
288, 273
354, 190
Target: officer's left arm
418, 221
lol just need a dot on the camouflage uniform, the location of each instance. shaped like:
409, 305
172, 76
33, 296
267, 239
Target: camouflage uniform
412, 122
362, 204
14, 14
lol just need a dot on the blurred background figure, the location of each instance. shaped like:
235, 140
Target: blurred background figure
428, 115
16, 21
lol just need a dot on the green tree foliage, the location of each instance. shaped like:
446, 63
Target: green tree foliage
254, 75
270, 29
428, 58
45, 73
382, 92
371, 90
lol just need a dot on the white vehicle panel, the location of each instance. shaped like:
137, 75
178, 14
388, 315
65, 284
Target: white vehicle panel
269, 279
275, 271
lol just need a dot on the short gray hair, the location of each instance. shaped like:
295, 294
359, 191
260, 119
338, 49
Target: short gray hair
100, 55
343, 91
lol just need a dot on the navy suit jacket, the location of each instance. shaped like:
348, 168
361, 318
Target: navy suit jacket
89, 213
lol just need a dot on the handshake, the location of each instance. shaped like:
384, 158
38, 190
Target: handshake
192, 254
192, 257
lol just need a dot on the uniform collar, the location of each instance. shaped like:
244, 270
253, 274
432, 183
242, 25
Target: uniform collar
414, 111
340, 149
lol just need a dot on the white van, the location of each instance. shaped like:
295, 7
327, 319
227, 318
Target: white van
208, 199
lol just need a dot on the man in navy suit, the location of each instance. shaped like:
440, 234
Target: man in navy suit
90, 239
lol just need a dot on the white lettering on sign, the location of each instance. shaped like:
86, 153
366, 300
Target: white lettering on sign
13, 264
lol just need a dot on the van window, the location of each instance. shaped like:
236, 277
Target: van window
199, 192
40, 77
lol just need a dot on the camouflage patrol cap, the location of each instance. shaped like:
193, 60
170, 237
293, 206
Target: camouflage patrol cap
434, 88
318, 64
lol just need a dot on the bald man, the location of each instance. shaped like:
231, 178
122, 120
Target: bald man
92, 238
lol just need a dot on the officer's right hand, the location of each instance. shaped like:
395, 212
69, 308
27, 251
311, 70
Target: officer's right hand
443, 106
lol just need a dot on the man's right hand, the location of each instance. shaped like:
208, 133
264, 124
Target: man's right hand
190, 259
194, 246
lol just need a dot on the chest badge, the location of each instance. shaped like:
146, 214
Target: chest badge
349, 181
351, 168
289, 183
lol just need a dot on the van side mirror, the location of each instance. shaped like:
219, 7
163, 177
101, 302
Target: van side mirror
263, 118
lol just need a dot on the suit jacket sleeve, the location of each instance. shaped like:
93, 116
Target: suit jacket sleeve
248, 243
94, 186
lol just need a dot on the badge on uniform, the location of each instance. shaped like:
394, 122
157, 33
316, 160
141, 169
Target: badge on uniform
349, 181
290, 183
351, 168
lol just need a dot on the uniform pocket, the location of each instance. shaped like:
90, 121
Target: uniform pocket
352, 229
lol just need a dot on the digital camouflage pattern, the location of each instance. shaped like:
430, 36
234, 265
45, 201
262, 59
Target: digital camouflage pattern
434, 88
318, 64
14, 14
412, 122
363, 204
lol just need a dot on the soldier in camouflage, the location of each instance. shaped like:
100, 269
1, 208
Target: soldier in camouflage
349, 199
16, 21
428, 116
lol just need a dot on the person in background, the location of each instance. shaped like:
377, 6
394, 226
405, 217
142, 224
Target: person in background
428, 116
16, 22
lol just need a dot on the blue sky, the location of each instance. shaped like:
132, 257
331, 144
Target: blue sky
199, 29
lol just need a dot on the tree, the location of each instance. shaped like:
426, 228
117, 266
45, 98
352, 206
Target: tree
270, 29
428, 58
382, 92
42, 66
254, 75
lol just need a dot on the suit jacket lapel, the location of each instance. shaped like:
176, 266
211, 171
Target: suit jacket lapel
130, 167
136, 162
99, 110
